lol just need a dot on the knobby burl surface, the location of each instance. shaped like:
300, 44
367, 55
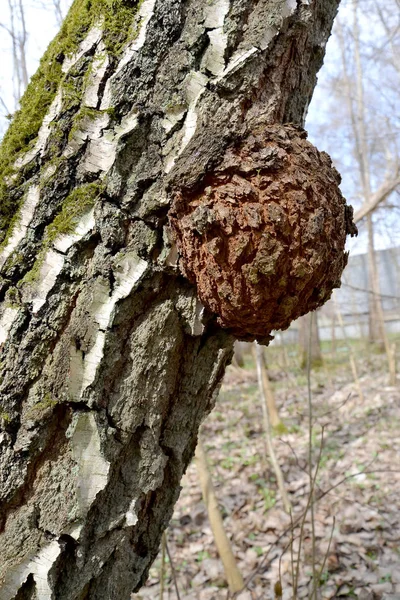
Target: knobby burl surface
263, 237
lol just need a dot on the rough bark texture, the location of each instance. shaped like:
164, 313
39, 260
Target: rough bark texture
263, 237
108, 360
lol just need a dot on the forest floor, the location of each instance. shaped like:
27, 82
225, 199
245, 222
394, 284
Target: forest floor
357, 510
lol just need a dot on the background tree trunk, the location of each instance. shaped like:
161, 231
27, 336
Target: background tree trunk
376, 326
109, 362
266, 390
304, 341
238, 358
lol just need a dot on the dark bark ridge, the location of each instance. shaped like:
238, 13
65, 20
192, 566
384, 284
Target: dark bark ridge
109, 362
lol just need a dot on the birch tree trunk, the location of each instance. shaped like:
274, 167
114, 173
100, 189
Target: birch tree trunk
108, 361
307, 346
376, 325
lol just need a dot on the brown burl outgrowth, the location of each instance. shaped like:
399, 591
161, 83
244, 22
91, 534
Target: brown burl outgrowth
263, 236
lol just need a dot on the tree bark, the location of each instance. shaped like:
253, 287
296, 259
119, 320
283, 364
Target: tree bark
376, 327
306, 345
266, 391
108, 361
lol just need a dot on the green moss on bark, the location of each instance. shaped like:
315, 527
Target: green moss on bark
74, 206
116, 18
5, 418
47, 404
13, 222
12, 298
79, 201
81, 120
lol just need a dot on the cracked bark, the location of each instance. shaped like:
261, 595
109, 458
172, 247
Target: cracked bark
108, 361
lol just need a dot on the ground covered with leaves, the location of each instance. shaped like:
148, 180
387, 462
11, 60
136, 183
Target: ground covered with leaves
356, 445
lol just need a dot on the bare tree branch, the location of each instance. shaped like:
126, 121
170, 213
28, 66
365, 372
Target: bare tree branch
377, 197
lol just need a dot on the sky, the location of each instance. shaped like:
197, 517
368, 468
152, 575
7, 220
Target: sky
329, 131
42, 26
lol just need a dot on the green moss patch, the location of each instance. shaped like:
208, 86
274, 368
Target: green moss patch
116, 17
45, 405
75, 205
12, 298
5, 417
13, 222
